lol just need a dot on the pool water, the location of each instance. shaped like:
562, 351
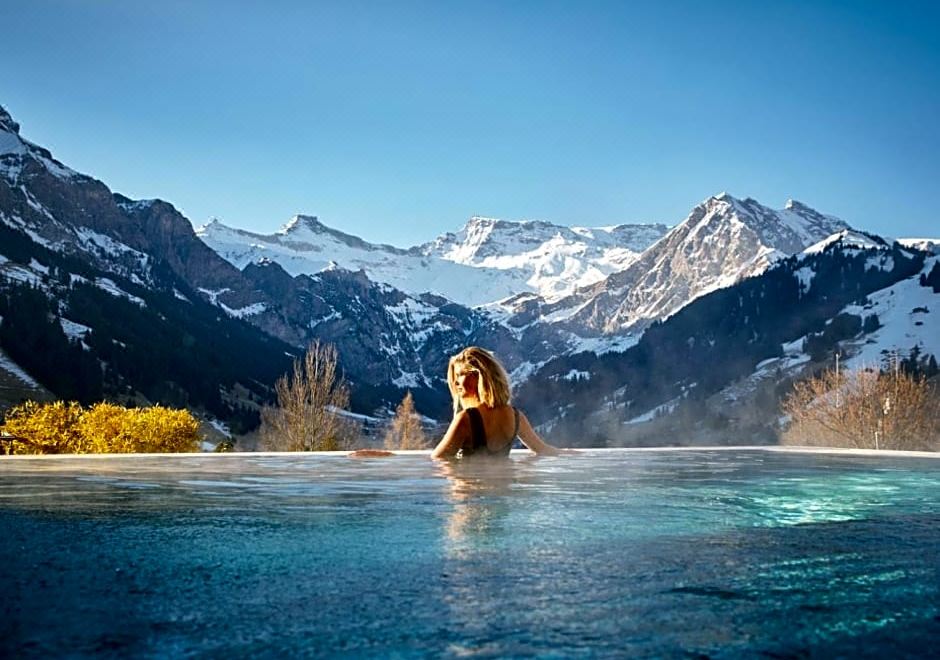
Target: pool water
717, 553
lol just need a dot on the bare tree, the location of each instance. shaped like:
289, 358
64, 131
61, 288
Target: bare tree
405, 431
310, 401
865, 408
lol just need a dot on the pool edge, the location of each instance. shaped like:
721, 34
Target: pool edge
520, 452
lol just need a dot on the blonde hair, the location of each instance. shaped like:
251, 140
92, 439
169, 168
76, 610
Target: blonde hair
493, 383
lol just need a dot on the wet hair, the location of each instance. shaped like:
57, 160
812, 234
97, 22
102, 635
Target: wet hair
493, 382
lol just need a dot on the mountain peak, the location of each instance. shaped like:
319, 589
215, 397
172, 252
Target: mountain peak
727, 198
796, 205
485, 221
214, 223
299, 222
6, 122
720, 201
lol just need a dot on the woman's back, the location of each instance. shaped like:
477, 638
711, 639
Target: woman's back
492, 430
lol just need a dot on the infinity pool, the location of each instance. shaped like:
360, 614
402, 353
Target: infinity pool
679, 553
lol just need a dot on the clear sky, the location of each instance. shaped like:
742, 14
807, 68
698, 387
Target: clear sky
396, 121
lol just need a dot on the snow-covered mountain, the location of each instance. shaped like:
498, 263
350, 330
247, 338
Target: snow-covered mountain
555, 260
722, 241
70, 248
599, 286
486, 261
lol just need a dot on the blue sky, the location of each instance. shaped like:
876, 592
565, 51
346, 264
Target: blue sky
396, 121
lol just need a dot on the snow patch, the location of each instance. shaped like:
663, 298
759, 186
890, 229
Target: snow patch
136, 205
14, 271
13, 368
221, 427
410, 379
606, 344
805, 277
11, 144
244, 312
524, 371
931, 245
213, 295
73, 330
650, 415
882, 262
574, 374
329, 317
111, 287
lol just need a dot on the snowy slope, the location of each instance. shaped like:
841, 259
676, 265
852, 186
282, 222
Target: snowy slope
849, 239
925, 244
486, 261
909, 315
556, 259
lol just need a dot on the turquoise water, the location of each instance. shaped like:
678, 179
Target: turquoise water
637, 553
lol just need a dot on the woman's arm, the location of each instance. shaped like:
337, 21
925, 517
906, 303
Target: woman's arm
533, 441
454, 437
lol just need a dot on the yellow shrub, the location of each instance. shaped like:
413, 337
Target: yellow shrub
50, 428
58, 428
159, 429
102, 427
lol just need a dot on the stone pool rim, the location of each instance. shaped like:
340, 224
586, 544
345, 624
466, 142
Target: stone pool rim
515, 452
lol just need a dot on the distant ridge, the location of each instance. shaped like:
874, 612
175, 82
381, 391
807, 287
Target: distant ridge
484, 262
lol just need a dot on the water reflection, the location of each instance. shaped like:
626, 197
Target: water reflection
477, 552
834, 498
478, 493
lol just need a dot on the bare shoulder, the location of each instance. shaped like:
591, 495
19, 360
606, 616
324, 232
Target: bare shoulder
455, 436
461, 418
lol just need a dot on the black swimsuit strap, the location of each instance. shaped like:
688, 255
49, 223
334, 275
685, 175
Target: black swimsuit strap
477, 432
515, 431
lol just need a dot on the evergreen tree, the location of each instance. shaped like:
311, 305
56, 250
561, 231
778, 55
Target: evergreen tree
405, 431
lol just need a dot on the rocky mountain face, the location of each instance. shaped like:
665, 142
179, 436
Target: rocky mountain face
58, 221
722, 241
75, 214
99, 295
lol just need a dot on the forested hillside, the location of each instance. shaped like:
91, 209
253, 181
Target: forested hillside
716, 339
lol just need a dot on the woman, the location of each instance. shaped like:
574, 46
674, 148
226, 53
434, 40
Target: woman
484, 423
